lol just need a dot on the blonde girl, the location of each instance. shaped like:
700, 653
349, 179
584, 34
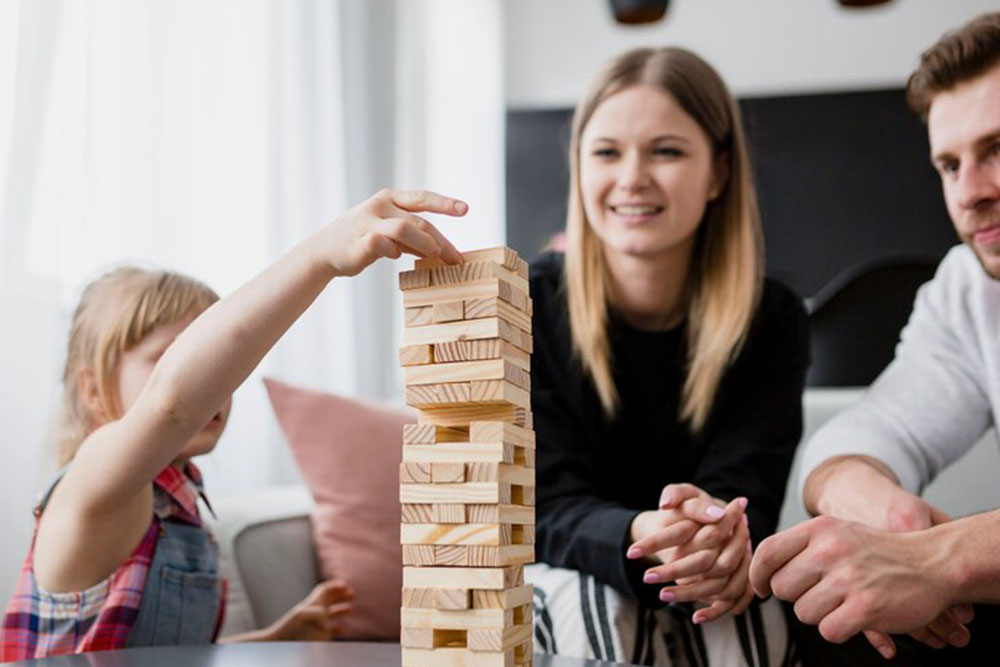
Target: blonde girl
120, 556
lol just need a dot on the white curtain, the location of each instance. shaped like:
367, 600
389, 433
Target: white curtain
205, 137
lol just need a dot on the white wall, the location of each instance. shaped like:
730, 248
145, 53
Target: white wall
554, 47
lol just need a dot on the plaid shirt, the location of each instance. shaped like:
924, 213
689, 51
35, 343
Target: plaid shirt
39, 623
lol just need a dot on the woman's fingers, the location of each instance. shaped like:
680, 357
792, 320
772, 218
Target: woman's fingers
700, 590
713, 535
711, 510
670, 536
698, 563
673, 495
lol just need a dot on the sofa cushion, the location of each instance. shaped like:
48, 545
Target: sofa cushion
349, 453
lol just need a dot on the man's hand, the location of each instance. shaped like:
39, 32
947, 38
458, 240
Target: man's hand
847, 578
863, 489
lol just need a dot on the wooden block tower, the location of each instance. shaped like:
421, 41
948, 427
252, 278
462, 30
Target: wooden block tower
467, 480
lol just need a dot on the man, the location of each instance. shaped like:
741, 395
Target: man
880, 559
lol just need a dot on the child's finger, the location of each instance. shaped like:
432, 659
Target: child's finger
339, 608
671, 536
675, 494
426, 200
448, 252
404, 232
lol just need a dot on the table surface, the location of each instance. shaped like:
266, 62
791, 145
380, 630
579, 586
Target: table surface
286, 654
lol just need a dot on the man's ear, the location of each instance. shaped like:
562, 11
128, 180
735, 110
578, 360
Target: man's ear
720, 175
89, 392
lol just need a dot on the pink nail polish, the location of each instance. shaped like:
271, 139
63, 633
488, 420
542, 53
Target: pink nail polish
743, 503
666, 501
667, 596
715, 512
634, 552
650, 578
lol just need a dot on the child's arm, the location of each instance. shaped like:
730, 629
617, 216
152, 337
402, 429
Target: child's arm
102, 507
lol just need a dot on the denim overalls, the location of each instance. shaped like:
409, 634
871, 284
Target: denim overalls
182, 594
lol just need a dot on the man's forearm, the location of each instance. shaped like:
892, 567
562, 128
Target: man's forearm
845, 486
973, 543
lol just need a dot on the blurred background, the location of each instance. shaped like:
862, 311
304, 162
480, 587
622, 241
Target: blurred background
208, 136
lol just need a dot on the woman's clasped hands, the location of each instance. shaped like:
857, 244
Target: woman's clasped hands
701, 549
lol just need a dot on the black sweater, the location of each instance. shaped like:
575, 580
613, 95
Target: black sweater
596, 475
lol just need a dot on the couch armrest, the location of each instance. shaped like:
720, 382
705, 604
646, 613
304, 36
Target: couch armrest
266, 551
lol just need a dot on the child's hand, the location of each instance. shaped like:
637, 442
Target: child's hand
385, 226
317, 618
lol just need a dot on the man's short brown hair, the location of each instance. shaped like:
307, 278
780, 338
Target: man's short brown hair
959, 56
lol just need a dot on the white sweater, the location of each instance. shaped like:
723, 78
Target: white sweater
942, 390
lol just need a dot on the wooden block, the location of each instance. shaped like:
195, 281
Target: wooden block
442, 394
501, 431
413, 279
477, 350
494, 306
419, 513
415, 355
467, 371
505, 599
467, 493
416, 637
522, 495
502, 255
499, 472
451, 473
463, 577
447, 311
416, 472
429, 434
452, 599
513, 514
464, 555
495, 534
417, 316
449, 513
469, 619
457, 657
478, 289
469, 513
461, 415
464, 451
489, 327
499, 391
423, 598
419, 554
499, 639
456, 274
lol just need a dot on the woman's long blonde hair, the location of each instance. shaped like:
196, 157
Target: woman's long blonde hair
726, 274
115, 313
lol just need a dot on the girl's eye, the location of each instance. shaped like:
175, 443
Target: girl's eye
604, 152
668, 151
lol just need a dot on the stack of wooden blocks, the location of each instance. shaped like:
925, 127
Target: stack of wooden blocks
467, 480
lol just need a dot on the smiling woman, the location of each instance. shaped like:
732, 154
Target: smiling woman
666, 380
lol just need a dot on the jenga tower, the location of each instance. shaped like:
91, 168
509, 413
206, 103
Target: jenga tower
467, 480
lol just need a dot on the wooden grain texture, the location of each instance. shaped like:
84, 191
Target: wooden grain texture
494, 578
460, 416
479, 289
488, 327
467, 371
477, 350
415, 355
506, 257
494, 306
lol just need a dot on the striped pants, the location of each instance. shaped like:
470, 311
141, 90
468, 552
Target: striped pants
579, 617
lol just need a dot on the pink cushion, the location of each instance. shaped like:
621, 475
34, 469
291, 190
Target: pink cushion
349, 453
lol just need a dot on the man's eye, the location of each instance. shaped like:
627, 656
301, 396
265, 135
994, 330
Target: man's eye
949, 167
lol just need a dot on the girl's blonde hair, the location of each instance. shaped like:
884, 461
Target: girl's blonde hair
726, 276
115, 313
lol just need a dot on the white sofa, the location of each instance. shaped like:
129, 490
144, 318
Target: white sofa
266, 546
